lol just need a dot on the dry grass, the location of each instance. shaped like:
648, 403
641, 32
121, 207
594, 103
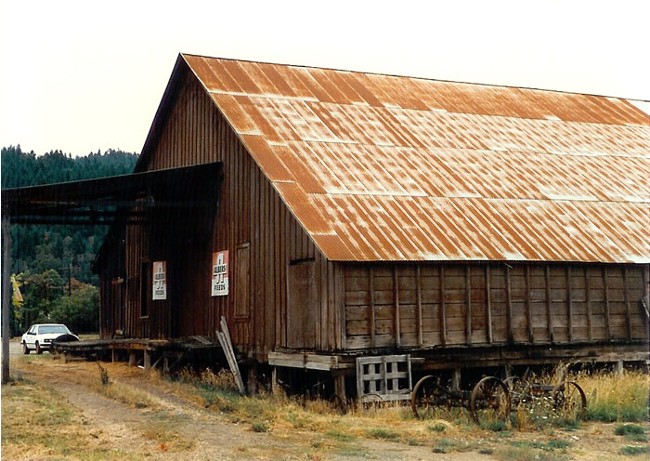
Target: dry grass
611, 397
617, 397
43, 425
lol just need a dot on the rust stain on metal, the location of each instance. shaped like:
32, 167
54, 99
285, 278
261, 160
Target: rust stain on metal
379, 167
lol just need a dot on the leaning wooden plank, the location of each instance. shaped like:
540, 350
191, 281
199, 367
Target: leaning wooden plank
226, 344
232, 362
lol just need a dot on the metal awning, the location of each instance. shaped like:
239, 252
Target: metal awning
101, 201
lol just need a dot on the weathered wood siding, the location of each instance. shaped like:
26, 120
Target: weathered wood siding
251, 221
424, 305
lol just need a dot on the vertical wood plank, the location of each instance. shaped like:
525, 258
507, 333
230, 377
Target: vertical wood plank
418, 294
371, 274
443, 313
626, 297
511, 335
590, 326
569, 303
529, 306
549, 316
398, 339
468, 304
607, 307
339, 305
488, 306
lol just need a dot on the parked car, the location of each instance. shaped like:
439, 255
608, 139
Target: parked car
40, 337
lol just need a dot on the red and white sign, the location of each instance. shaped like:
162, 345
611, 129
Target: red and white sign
159, 280
220, 273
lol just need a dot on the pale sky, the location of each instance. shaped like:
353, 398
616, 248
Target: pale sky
82, 76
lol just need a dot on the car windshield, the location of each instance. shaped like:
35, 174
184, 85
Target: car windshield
47, 329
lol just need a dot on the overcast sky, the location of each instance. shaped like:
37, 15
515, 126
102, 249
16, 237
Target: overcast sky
82, 76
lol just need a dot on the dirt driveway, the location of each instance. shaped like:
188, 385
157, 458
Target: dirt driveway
179, 428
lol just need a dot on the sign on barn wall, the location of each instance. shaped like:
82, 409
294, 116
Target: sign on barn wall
159, 280
220, 273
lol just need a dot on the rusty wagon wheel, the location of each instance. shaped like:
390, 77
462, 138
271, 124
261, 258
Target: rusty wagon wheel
428, 394
569, 400
489, 401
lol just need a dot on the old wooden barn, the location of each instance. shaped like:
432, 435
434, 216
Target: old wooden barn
362, 215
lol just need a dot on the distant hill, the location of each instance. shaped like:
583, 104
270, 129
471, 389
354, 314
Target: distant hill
69, 250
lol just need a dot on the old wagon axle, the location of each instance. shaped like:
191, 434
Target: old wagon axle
491, 399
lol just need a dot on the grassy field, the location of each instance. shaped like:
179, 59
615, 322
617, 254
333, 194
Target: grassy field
38, 424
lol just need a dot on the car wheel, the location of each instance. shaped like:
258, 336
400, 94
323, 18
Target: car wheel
38, 348
25, 348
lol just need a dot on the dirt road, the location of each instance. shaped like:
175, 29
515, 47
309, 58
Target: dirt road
194, 433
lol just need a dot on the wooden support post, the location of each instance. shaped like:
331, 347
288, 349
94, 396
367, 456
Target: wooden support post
6, 293
398, 339
620, 367
456, 379
339, 385
147, 360
251, 385
114, 357
133, 361
488, 306
275, 385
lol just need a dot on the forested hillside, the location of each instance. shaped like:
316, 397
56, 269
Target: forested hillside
52, 263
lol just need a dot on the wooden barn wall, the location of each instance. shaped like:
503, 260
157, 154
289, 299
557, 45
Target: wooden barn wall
251, 222
423, 305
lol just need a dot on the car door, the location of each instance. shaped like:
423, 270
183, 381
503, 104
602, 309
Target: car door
30, 339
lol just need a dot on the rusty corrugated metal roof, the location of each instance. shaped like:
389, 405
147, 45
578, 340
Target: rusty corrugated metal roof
380, 168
